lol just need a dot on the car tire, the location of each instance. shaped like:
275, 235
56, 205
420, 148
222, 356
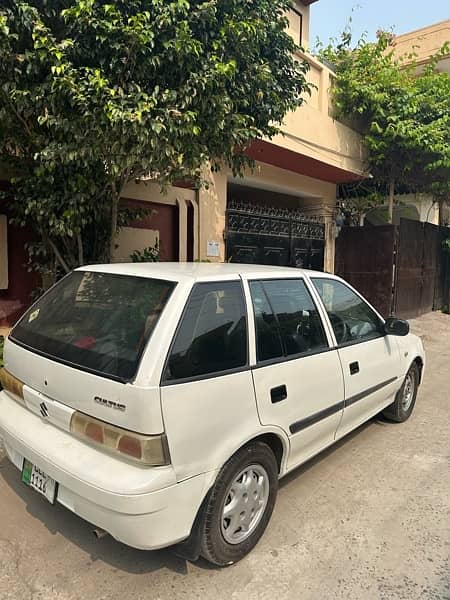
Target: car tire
239, 505
401, 409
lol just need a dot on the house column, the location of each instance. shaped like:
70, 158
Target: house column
182, 229
330, 245
330, 239
196, 230
212, 204
3, 252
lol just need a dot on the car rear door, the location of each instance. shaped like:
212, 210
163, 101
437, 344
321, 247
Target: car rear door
207, 394
370, 359
297, 373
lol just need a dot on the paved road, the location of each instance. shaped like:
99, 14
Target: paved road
369, 519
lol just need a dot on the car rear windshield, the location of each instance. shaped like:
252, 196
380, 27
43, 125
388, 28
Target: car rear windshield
97, 322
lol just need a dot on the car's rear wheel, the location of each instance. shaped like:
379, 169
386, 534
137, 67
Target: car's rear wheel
240, 505
400, 410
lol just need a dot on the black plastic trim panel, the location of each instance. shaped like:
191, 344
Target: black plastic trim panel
332, 410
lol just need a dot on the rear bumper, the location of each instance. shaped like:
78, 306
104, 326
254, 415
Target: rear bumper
142, 507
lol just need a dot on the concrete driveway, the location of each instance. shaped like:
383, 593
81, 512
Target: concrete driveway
368, 519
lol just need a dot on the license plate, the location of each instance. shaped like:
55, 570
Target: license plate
38, 480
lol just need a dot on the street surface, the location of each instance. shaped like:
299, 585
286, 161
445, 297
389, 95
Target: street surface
368, 519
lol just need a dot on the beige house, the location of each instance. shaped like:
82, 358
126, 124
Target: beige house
280, 213
421, 45
424, 43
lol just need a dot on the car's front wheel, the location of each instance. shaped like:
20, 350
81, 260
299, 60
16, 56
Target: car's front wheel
400, 410
240, 505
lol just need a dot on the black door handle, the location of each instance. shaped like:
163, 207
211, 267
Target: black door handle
354, 368
278, 394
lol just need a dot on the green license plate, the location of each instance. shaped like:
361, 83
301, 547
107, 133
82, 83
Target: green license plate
39, 481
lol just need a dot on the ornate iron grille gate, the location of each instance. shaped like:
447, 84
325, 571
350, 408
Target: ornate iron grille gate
266, 235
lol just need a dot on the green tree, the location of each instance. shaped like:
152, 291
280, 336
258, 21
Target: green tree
94, 94
402, 112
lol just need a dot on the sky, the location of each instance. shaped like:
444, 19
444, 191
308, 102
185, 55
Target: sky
329, 17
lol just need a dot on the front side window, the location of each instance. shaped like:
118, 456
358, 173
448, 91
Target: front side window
212, 335
351, 317
286, 319
99, 322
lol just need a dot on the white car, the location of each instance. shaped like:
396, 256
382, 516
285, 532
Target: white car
163, 402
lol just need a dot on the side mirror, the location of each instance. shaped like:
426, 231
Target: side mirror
394, 326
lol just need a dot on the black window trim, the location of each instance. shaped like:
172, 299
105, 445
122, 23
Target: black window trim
376, 336
287, 358
82, 368
280, 337
167, 382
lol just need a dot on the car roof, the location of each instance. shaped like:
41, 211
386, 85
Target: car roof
184, 271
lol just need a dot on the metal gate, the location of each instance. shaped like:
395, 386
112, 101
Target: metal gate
401, 270
258, 234
416, 271
365, 258
442, 287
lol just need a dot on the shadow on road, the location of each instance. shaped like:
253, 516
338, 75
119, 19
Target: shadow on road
62, 521
316, 460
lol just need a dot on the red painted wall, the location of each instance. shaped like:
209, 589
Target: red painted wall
17, 298
165, 220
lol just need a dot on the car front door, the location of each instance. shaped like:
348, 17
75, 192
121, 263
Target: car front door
370, 359
297, 376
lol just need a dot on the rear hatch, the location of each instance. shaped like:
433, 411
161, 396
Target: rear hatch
80, 345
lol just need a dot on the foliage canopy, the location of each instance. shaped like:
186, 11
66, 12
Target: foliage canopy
403, 111
94, 94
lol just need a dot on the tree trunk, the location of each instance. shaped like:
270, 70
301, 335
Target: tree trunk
442, 202
114, 213
59, 258
391, 200
80, 250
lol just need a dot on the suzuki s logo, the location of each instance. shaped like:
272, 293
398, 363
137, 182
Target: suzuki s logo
110, 403
44, 409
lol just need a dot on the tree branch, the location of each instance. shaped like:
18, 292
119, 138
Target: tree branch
19, 117
60, 259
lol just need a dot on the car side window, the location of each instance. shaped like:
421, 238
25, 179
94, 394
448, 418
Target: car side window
212, 335
353, 320
286, 319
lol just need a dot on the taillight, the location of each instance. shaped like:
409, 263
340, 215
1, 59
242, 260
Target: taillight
151, 450
12, 385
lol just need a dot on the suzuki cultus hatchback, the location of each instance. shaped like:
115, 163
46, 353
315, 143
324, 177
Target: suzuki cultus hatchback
163, 402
